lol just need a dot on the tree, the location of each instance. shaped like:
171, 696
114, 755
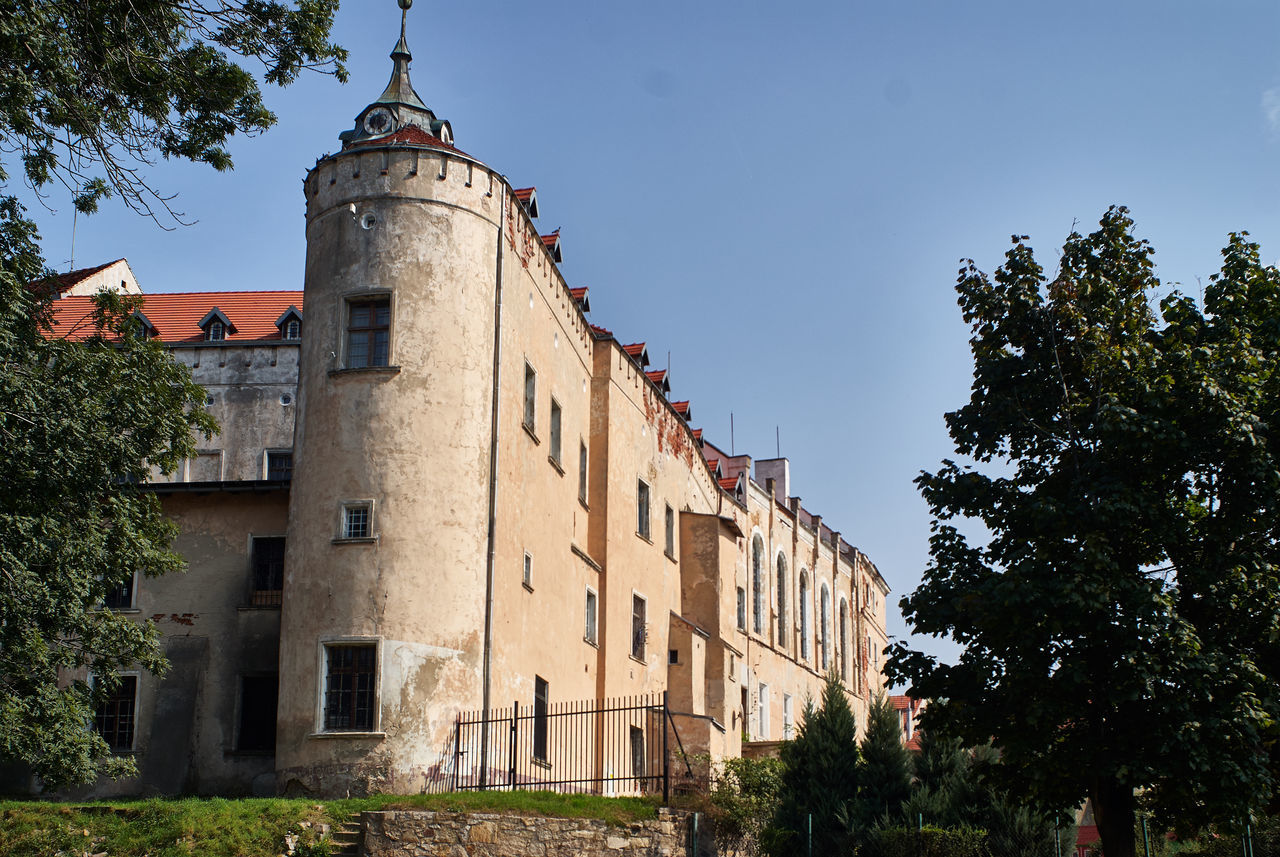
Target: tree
1119, 618
90, 92
884, 775
819, 777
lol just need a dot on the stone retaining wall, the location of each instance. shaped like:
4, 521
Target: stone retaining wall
452, 834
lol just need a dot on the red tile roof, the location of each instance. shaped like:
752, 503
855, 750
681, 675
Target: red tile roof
176, 317
729, 483
71, 278
411, 135
524, 194
659, 377
636, 351
552, 243
697, 435
599, 331
681, 408
580, 297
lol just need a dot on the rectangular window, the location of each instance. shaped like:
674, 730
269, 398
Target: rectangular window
742, 609
268, 571
638, 632
555, 431
349, 687
279, 466
527, 575
582, 473
357, 521
530, 397
590, 634
642, 509
368, 332
120, 595
764, 712
541, 692
637, 753
788, 721
258, 697
671, 532
115, 716
673, 656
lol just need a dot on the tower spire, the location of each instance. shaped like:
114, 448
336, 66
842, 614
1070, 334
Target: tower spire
399, 89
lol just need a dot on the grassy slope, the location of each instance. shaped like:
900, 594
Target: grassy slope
251, 827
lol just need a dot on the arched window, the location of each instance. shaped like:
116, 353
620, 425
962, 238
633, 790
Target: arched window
844, 640
757, 585
782, 601
804, 616
824, 628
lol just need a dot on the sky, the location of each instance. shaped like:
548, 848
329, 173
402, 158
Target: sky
778, 195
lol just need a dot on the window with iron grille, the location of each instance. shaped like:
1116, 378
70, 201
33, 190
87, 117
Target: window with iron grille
638, 632
120, 595
115, 715
279, 466
268, 571
349, 687
368, 332
357, 521
541, 693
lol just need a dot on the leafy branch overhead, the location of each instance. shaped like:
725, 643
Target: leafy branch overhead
91, 91
1121, 611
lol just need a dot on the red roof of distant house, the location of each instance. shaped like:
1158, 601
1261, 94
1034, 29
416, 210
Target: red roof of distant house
412, 135
697, 435
176, 317
729, 483
71, 278
600, 331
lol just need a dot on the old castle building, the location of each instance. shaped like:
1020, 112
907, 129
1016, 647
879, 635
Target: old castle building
440, 488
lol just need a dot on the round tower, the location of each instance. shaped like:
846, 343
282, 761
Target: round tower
383, 621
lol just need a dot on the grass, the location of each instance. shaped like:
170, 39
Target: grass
253, 827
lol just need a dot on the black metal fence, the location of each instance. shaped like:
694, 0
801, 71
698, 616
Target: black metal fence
601, 746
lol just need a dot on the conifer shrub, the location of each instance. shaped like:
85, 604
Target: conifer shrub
925, 842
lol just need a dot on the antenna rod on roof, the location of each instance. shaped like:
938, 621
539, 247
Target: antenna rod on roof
777, 440
732, 451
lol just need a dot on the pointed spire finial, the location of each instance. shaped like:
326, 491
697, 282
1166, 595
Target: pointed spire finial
399, 89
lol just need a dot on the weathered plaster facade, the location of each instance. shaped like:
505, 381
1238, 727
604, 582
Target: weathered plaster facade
470, 460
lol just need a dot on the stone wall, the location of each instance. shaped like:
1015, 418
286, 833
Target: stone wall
448, 834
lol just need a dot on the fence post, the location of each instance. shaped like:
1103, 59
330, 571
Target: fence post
457, 749
666, 759
511, 768
810, 834
1146, 840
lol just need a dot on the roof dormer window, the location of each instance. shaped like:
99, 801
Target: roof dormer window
290, 324
216, 326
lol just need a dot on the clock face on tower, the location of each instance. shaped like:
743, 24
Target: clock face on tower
378, 121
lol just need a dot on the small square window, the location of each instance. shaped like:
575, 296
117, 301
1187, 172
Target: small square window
527, 576
590, 633
673, 656
115, 716
120, 595
279, 466
671, 532
349, 687
530, 397
642, 509
357, 521
368, 332
555, 431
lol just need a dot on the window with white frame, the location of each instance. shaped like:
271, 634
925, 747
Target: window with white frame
555, 432
671, 532
216, 331
357, 520
788, 718
642, 508
530, 398
592, 608
764, 713
350, 687
639, 630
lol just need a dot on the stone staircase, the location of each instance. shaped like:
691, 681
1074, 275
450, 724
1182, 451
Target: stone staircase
346, 837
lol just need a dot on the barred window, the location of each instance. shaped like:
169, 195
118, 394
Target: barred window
349, 687
115, 716
268, 571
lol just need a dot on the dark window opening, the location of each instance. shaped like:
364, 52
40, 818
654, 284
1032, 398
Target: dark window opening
541, 693
555, 431
268, 572
582, 472
258, 697
637, 627
349, 686
530, 396
642, 509
369, 333
114, 718
673, 656
671, 532
742, 609
120, 595
279, 466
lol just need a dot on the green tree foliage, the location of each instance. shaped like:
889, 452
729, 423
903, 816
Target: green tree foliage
886, 769
744, 798
91, 91
81, 424
819, 777
1120, 617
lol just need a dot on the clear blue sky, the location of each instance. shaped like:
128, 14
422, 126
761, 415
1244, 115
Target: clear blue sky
779, 194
